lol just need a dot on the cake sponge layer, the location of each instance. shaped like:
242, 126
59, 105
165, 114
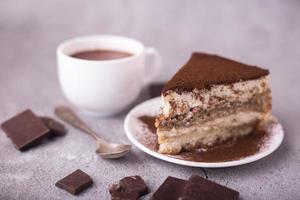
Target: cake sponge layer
216, 131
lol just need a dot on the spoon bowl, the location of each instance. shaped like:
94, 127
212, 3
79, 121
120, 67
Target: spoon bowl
112, 150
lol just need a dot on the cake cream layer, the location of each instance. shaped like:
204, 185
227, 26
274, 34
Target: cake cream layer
175, 104
218, 130
259, 103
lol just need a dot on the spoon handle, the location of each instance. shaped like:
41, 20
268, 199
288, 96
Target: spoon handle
66, 114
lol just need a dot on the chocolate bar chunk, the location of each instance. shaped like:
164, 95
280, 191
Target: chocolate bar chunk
130, 187
170, 189
55, 127
121, 195
198, 188
75, 182
115, 188
25, 129
135, 184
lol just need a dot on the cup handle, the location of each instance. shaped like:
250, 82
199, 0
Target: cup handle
152, 69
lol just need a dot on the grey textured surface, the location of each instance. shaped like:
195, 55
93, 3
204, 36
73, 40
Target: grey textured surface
265, 33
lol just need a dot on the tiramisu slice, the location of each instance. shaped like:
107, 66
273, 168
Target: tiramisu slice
209, 100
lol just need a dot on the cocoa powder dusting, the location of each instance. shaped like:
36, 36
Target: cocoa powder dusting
230, 150
149, 121
147, 135
204, 70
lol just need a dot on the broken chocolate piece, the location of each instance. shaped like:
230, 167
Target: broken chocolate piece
25, 129
170, 189
114, 188
198, 188
134, 183
55, 127
120, 195
75, 183
129, 187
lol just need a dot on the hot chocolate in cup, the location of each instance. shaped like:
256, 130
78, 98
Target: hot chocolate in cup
104, 74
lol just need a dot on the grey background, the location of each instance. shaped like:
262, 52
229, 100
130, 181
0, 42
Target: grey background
264, 33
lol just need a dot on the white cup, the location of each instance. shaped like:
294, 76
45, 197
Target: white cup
105, 87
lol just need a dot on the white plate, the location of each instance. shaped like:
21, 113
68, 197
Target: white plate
135, 131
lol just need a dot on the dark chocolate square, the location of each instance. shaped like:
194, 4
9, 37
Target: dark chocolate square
25, 129
55, 127
75, 183
198, 188
170, 189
